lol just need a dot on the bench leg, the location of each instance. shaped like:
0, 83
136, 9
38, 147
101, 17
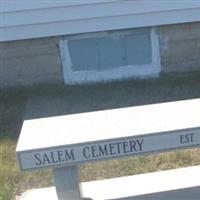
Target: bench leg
67, 183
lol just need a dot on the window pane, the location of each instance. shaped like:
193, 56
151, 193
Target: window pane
111, 52
138, 48
84, 54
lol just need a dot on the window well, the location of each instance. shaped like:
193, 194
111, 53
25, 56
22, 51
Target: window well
110, 55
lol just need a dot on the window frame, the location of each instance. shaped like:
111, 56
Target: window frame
70, 76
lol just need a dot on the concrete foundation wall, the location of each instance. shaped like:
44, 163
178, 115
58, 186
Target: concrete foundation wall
29, 62
37, 61
180, 47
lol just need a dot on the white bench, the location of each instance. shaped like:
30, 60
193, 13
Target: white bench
64, 142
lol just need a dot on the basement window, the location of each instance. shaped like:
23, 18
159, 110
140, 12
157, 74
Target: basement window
110, 55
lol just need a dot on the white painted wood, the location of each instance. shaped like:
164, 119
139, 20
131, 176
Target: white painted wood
67, 183
151, 69
13, 5
98, 24
170, 184
73, 139
98, 150
23, 20
122, 122
65, 12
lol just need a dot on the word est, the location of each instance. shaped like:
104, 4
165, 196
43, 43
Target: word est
187, 138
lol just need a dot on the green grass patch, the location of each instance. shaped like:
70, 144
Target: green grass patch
138, 165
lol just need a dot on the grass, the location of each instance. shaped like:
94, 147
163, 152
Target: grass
16, 104
12, 181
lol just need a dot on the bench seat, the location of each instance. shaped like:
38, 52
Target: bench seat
74, 139
176, 184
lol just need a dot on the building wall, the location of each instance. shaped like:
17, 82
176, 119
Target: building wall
180, 47
30, 62
37, 61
